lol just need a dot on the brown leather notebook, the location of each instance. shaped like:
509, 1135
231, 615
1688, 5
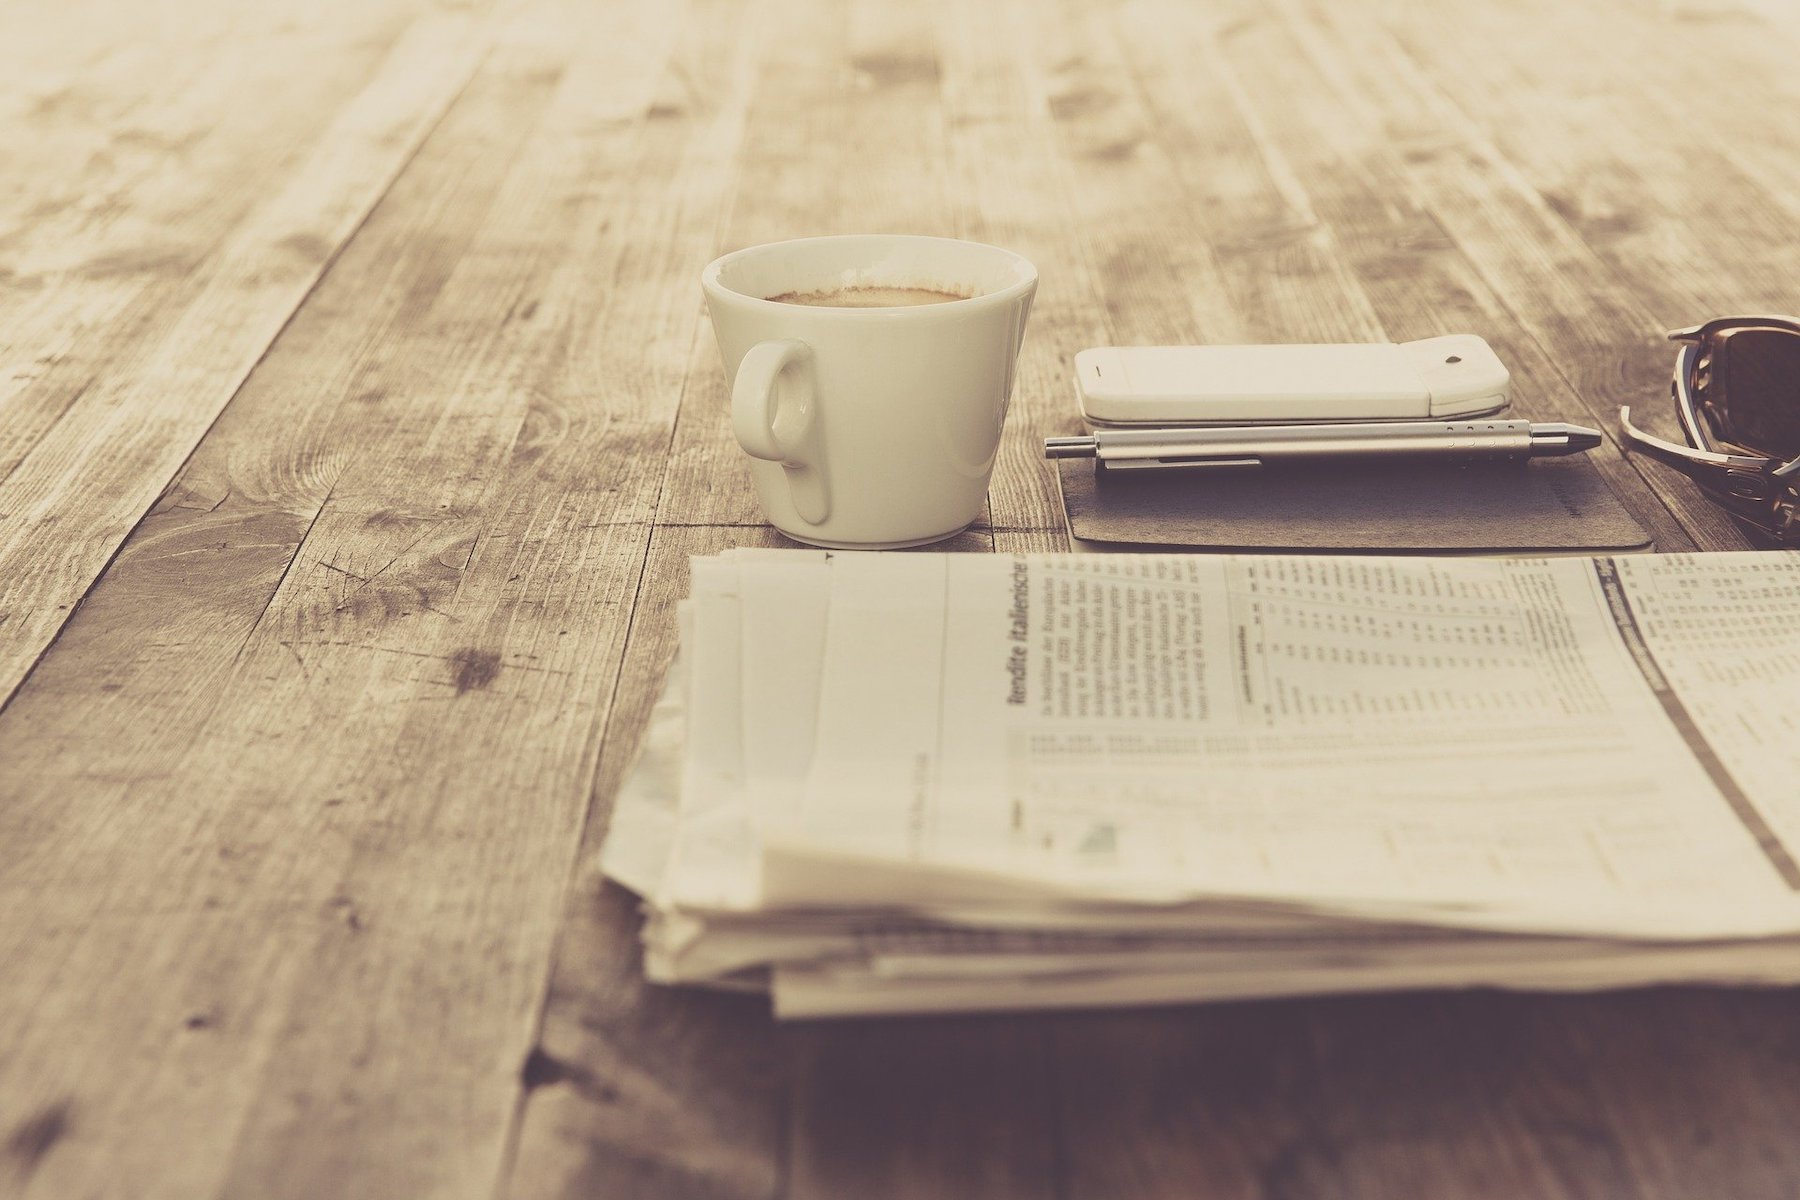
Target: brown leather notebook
1546, 506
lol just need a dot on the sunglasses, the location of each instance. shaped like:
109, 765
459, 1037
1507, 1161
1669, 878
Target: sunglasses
1737, 383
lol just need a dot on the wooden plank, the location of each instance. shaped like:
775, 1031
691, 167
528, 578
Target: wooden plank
1697, 1114
864, 81
1151, 1102
634, 1090
1188, 223
98, 196
126, 173
1155, 1104
1417, 280
139, 669
70, 501
1200, 231
1696, 225
1012, 187
1283, 274
1476, 1094
96, 122
1633, 194
1159, 283
923, 1108
1543, 1095
1585, 317
843, 1081
1462, 1094
1031, 541
379, 891
1659, 80
290, 805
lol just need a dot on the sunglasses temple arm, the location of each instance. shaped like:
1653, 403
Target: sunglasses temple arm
1680, 457
1683, 458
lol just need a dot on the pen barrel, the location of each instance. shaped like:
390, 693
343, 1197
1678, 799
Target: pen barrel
1272, 443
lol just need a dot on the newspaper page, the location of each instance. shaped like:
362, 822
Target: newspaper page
1568, 737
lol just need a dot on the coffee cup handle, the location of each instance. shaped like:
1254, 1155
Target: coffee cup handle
775, 415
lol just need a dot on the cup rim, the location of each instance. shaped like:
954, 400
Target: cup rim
714, 287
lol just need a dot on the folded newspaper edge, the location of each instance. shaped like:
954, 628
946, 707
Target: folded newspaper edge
923, 783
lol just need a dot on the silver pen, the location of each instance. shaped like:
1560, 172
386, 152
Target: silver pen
1256, 445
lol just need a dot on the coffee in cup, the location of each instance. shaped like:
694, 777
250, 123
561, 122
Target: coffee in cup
869, 378
872, 295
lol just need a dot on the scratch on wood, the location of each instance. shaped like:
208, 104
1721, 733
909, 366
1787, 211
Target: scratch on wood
426, 604
35, 1136
410, 547
334, 567
474, 669
452, 659
304, 670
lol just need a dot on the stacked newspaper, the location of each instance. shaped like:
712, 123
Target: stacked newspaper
910, 782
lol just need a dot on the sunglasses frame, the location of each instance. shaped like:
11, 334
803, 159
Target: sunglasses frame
1759, 490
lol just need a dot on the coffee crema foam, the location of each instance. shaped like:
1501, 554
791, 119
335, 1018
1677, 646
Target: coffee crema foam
872, 296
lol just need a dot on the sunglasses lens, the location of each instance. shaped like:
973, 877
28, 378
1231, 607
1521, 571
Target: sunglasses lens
1761, 377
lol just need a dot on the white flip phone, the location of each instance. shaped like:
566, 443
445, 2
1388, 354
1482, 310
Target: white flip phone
1457, 375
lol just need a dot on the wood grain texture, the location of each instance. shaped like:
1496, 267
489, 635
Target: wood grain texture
444, 552
358, 414
1589, 321
613, 1105
1016, 191
190, 292
864, 81
1415, 277
636, 1090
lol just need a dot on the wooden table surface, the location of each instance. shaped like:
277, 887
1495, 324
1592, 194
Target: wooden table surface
358, 414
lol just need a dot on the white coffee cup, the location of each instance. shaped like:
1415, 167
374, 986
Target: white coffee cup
870, 428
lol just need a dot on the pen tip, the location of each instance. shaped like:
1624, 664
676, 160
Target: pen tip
1560, 437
